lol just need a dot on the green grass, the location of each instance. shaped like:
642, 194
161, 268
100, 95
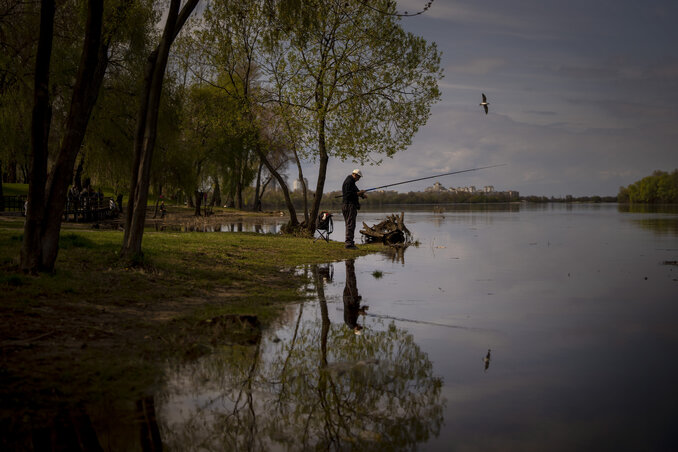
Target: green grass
14, 189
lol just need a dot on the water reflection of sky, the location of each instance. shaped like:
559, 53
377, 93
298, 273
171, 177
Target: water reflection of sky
576, 304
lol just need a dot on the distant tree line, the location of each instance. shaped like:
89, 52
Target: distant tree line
333, 200
659, 188
569, 198
426, 197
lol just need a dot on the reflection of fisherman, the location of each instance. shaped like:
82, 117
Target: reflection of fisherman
352, 299
351, 204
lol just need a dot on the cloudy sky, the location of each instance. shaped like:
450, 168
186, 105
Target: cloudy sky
583, 97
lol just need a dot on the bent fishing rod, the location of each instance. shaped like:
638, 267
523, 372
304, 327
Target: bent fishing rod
429, 177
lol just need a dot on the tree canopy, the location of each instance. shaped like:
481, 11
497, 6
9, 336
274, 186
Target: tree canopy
659, 188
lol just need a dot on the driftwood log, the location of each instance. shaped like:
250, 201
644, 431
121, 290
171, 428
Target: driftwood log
391, 231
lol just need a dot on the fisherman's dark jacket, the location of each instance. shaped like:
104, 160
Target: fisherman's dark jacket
349, 190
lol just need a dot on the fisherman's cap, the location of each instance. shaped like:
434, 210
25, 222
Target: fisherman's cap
358, 172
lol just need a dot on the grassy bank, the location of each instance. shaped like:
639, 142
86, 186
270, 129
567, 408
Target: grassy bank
98, 327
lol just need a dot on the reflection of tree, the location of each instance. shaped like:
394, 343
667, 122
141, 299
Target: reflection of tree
660, 226
62, 427
148, 425
117, 424
325, 388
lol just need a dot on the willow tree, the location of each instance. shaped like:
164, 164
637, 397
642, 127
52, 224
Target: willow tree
18, 22
228, 49
358, 84
212, 127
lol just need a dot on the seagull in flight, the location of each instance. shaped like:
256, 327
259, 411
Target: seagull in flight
484, 103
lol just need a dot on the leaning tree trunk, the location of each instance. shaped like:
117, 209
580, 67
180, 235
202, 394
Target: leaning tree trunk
77, 180
147, 127
304, 189
47, 194
294, 222
90, 78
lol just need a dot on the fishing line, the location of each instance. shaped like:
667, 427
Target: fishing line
430, 177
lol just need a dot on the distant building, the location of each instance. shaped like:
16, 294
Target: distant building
437, 187
471, 189
487, 189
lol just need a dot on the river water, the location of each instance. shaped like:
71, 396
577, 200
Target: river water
549, 327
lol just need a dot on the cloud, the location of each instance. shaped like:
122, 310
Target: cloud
541, 113
477, 66
579, 105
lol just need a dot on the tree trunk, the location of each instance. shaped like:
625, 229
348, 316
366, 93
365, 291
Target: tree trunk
283, 186
198, 202
238, 192
77, 181
41, 120
256, 205
147, 127
230, 203
47, 194
304, 188
216, 196
322, 171
11, 171
85, 93
2, 196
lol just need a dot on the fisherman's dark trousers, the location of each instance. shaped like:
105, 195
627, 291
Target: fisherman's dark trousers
350, 212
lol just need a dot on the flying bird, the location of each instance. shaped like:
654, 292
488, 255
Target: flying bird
484, 103
486, 360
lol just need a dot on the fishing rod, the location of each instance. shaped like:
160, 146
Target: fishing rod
429, 177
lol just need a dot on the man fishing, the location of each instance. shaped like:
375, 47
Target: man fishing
351, 204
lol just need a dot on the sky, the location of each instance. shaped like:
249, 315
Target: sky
583, 97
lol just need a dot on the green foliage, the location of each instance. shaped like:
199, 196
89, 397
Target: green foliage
659, 188
18, 22
360, 82
108, 146
250, 75
128, 28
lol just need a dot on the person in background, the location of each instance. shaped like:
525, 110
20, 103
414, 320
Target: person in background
351, 204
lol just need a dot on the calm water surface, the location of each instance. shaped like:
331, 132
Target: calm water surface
577, 306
